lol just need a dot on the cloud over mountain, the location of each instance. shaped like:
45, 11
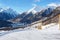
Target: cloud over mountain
53, 4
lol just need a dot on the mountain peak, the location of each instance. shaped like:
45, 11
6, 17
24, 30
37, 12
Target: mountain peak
5, 9
6, 14
34, 10
1, 9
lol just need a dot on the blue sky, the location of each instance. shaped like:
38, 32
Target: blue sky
24, 5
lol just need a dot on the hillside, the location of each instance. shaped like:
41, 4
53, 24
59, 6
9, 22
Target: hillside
51, 33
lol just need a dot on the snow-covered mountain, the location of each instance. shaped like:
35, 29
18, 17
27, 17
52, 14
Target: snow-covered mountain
6, 14
28, 17
35, 15
25, 16
32, 15
47, 11
34, 10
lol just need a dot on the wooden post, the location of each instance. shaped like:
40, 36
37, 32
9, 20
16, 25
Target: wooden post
59, 21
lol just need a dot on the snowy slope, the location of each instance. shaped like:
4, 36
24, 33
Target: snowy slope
34, 34
34, 10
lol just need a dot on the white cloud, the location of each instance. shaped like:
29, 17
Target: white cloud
53, 4
37, 0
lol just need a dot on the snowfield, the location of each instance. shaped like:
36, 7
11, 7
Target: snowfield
48, 33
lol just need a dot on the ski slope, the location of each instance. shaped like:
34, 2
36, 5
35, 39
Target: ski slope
48, 33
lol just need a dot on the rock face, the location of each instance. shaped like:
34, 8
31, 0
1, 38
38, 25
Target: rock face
32, 17
54, 17
7, 14
47, 16
4, 23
